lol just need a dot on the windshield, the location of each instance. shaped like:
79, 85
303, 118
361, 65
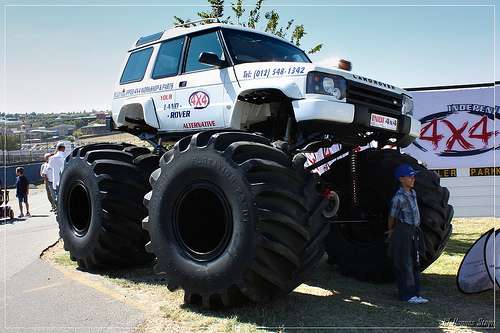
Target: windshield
251, 47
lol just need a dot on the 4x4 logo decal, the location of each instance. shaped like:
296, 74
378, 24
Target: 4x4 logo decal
199, 100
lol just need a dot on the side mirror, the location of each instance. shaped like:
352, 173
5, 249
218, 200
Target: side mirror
211, 59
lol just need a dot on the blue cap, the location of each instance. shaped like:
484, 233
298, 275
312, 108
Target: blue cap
404, 170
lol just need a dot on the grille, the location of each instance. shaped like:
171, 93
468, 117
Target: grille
374, 98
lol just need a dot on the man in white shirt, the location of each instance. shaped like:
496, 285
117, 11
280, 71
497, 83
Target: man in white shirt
56, 162
48, 177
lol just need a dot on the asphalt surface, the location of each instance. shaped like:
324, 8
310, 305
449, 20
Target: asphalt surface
36, 296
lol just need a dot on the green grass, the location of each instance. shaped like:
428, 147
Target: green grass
65, 260
326, 300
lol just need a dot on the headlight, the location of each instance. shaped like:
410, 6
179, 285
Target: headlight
327, 85
407, 108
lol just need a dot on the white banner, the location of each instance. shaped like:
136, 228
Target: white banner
459, 129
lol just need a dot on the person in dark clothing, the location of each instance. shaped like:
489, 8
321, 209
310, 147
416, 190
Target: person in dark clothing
405, 238
22, 190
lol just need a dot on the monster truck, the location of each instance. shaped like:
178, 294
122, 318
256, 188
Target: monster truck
231, 213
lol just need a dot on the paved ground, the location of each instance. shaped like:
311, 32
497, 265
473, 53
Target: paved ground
37, 297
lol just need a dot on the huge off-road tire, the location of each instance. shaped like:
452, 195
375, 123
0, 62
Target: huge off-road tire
100, 205
233, 219
359, 247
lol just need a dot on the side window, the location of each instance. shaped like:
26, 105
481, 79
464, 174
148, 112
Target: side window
136, 66
167, 62
199, 44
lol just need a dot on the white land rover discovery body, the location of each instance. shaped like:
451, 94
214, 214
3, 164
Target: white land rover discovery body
219, 76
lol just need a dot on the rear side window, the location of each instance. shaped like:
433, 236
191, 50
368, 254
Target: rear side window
136, 66
167, 62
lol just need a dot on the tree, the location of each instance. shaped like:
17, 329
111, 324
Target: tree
273, 25
78, 133
10, 142
80, 122
47, 135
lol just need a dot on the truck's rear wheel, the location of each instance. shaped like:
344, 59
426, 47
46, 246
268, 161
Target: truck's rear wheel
100, 206
360, 247
233, 219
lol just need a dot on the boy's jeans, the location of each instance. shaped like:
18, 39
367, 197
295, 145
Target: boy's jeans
408, 282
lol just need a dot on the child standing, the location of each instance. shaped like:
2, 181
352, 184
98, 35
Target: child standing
22, 190
405, 238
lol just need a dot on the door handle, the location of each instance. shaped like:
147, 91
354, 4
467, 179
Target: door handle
182, 84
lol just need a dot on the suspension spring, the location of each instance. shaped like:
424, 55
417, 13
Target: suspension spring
353, 176
159, 151
159, 148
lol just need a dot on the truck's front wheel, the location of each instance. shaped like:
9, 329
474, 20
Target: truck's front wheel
233, 219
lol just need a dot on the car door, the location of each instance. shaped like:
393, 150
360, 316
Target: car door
200, 92
165, 71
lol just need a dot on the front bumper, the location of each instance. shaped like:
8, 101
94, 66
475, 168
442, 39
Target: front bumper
350, 123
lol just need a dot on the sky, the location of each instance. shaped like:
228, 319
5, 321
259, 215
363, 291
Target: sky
63, 58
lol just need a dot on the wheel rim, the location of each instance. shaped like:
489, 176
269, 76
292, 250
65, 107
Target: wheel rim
79, 208
202, 221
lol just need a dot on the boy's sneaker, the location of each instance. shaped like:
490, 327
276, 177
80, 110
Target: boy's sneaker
20, 215
422, 300
414, 300
28, 214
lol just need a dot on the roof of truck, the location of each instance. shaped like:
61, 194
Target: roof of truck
184, 29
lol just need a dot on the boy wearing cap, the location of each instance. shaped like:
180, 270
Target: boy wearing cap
405, 238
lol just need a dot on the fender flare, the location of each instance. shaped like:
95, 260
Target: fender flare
139, 107
287, 86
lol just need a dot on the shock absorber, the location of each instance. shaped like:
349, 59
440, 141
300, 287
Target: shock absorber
353, 176
159, 148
